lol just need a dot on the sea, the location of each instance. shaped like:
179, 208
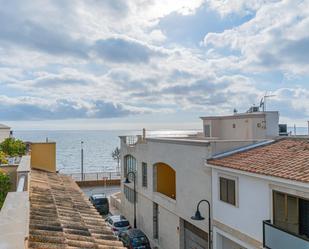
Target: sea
97, 145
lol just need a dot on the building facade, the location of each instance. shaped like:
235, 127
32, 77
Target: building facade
171, 178
5, 132
260, 196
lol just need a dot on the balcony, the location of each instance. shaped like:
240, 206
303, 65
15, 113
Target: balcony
131, 141
275, 237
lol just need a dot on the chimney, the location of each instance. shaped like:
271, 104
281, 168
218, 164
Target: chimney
144, 134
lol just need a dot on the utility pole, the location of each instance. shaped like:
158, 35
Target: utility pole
82, 159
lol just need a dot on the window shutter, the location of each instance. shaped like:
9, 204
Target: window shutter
279, 209
292, 214
231, 191
223, 189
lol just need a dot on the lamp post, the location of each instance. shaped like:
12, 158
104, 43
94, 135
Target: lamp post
128, 181
82, 160
198, 216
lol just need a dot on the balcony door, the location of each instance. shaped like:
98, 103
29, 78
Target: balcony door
291, 213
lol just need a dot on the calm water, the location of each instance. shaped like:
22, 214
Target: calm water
98, 146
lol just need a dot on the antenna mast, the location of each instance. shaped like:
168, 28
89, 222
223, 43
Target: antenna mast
263, 101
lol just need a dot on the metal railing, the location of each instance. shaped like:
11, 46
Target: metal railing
275, 237
95, 176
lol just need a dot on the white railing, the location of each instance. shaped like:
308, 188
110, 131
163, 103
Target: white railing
95, 176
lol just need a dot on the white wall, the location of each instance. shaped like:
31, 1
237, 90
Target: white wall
247, 126
4, 133
193, 183
253, 204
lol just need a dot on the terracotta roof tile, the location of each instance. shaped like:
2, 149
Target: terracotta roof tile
286, 158
62, 217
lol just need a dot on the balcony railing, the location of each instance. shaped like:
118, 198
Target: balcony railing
95, 176
275, 237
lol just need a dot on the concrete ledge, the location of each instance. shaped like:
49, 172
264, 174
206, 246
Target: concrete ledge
92, 183
14, 221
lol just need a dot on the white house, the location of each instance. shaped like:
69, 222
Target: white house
5, 132
260, 196
171, 178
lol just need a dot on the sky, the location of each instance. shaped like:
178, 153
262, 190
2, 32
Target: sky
158, 64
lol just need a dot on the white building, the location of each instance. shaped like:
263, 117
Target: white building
171, 177
5, 132
260, 196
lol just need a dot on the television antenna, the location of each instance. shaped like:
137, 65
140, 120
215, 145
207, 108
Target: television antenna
263, 101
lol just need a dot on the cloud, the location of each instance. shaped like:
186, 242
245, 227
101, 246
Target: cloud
38, 109
102, 59
120, 51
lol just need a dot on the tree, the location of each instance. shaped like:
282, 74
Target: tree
116, 156
13, 147
5, 186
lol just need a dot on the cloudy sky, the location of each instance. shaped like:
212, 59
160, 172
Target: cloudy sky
123, 64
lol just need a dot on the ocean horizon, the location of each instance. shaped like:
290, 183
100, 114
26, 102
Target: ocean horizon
98, 145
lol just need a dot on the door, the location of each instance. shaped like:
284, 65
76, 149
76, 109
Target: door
229, 244
195, 238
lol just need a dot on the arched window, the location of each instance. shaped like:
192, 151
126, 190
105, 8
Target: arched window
165, 180
129, 165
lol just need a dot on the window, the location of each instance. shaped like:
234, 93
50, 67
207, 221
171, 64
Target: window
228, 190
129, 166
129, 194
291, 213
155, 221
144, 175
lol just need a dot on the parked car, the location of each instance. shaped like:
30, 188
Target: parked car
134, 239
100, 202
118, 223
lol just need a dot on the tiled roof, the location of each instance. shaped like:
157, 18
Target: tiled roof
62, 217
286, 158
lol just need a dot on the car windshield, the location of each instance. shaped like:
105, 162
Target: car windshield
100, 201
139, 241
123, 223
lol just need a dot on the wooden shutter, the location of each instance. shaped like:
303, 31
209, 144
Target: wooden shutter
223, 189
279, 209
292, 214
231, 191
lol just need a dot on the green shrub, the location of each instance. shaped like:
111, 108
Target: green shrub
3, 158
5, 185
13, 147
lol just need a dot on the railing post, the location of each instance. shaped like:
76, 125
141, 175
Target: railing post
110, 175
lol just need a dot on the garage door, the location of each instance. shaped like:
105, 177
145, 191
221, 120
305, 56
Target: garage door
229, 244
195, 238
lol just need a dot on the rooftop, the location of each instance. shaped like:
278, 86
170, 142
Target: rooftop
240, 115
62, 217
2, 126
286, 158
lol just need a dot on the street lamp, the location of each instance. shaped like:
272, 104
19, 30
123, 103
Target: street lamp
199, 217
82, 159
128, 181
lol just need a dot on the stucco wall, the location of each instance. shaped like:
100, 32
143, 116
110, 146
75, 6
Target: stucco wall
248, 126
245, 216
193, 183
4, 133
43, 156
